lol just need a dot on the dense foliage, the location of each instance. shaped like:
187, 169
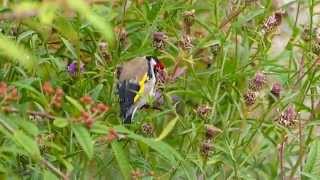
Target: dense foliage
233, 105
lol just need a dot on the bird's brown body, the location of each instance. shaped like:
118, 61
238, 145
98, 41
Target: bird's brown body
136, 82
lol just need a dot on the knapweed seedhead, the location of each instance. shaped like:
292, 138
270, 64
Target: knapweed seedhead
103, 46
122, 35
250, 98
214, 49
204, 111
288, 117
147, 129
189, 17
186, 42
211, 131
159, 40
273, 21
257, 82
73, 68
276, 89
315, 47
206, 148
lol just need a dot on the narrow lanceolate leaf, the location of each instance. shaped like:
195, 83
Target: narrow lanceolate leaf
60, 122
168, 129
70, 48
27, 143
312, 165
122, 160
75, 103
84, 139
98, 22
162, 148
16, 53
49, 175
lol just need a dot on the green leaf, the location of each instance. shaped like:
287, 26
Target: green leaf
98, 22
66, 29
75, 103
99, 128
29, 144
49, 175
37, 95
312, 165
28, 127
122, 160
96, 91
159, 146
84, 139
70, 47
60, 122
17, 53
25, 35
168, 129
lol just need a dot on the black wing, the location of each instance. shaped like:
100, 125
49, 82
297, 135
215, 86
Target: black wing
127, 91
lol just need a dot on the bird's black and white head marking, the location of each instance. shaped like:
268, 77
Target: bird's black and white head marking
152, 62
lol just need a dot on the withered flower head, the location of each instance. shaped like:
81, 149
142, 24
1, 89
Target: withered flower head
258, 82
206, 148
288, 117
147, 129
159, 40
186, 42
250, 98
103, 46
122, 35
214, 49
211, 131
204, 111
188, 17
273, 21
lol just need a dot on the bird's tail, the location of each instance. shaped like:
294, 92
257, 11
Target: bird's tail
127, 91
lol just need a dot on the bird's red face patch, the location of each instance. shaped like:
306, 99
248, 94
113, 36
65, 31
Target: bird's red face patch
159, 66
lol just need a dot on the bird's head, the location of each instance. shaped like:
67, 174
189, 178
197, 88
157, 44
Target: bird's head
157, 65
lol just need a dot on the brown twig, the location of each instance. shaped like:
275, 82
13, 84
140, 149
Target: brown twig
18, 15
46, 163
54, 169
231, 17
281, 157
33, 113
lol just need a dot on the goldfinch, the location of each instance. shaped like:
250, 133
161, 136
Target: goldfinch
137, 79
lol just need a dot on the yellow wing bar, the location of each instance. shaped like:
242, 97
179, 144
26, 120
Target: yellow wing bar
141, 90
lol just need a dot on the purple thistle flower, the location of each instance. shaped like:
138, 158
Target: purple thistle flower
73, 69
276, 89
257, 83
